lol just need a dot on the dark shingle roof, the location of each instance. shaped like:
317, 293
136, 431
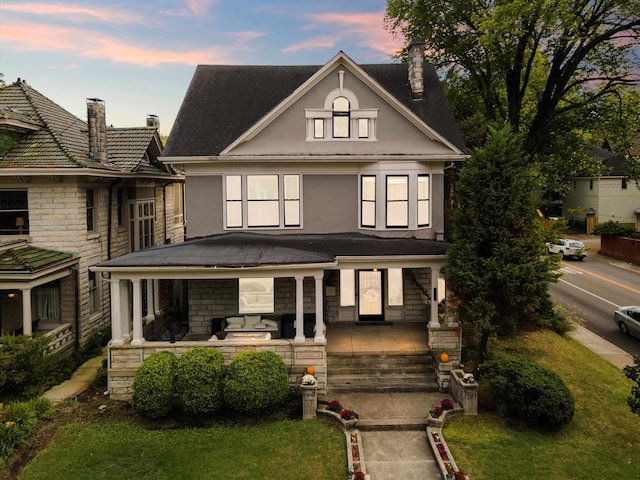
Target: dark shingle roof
244, 249
63, 142
224, 101
30, 259
609, 159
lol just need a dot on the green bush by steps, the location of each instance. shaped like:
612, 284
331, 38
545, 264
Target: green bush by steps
256, 382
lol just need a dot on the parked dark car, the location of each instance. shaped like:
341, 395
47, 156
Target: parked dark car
628, 320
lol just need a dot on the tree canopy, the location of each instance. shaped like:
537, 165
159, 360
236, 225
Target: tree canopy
497, 267
545, 66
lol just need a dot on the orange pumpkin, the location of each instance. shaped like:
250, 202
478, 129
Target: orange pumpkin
311, 370
444, 357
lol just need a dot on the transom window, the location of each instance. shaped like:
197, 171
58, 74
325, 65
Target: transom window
404, 201
14, 212
262, 201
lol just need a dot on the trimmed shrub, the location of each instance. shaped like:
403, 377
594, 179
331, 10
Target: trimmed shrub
199, 380
255, 382
529, 392
23, 366
614, 229
154, 385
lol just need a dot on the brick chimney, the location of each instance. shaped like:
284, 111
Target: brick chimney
416, 61
97, 122
153, 121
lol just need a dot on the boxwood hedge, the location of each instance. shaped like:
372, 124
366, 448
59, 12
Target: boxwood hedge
154, 385
199, 380
255, 382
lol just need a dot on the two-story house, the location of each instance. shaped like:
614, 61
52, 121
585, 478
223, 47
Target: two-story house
73, 194
314, 195
612, 196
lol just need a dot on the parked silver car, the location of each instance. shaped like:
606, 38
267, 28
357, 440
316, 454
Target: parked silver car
628, 320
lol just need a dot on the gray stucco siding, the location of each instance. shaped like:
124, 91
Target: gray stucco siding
203, 205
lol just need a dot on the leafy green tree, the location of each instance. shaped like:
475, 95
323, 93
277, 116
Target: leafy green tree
632, 372
543, 65
497, 266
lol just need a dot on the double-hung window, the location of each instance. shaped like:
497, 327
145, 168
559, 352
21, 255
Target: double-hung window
398, 201
14, 212
395, 201
423, 201
91, 209
368, 202
262, 201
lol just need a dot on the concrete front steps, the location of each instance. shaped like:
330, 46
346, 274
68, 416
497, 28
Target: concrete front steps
380, 373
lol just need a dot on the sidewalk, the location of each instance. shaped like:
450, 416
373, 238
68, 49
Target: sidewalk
602, 347
79, 381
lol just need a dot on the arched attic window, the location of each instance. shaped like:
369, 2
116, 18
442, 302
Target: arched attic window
341, 118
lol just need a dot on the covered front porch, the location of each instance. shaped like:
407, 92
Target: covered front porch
303, 297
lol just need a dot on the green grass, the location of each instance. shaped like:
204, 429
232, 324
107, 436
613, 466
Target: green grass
602, 441
123, 450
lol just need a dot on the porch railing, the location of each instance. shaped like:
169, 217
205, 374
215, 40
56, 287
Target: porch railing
61, 338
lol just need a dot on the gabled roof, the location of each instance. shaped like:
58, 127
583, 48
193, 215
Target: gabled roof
224, 101
246, 249
130, 148
59, 140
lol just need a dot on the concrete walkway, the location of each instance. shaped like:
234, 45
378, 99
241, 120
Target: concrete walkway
81, 379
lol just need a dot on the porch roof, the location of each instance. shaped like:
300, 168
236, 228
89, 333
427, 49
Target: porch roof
245, 249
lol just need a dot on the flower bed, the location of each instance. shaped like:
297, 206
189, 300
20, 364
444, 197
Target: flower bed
441, 452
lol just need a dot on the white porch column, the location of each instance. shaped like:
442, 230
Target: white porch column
138, 339
116, 312
156, 297
125, 320
299, 309
434, 321
27, 328
319, 330
150, 301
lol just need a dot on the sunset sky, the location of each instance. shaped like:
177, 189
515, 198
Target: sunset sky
139, 56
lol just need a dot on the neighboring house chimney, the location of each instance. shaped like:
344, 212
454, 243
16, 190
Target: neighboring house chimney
416, 61
97, 122
153, 121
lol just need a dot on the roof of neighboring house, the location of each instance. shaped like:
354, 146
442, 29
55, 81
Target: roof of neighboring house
31, 259
224, 101
60, 140
609, 159
244, 249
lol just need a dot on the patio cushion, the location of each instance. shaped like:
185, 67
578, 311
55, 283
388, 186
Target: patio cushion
250, 321
269, 323
235, 322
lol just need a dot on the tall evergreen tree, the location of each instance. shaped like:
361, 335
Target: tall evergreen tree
497, 267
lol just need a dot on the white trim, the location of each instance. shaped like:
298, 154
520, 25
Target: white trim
358, 72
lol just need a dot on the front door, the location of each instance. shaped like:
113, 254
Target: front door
370, 295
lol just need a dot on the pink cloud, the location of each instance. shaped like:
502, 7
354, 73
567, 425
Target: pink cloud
91, 44
198, 8
368, 28
77, 13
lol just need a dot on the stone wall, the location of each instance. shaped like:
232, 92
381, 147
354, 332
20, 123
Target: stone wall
125, 359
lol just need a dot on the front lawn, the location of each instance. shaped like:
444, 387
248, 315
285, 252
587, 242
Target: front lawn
128, 450
601, 442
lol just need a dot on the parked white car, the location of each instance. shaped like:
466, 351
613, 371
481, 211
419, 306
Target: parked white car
628, 320
568, 248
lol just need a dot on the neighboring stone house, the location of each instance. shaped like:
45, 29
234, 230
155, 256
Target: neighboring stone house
612, 196
74, 194
314, 196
